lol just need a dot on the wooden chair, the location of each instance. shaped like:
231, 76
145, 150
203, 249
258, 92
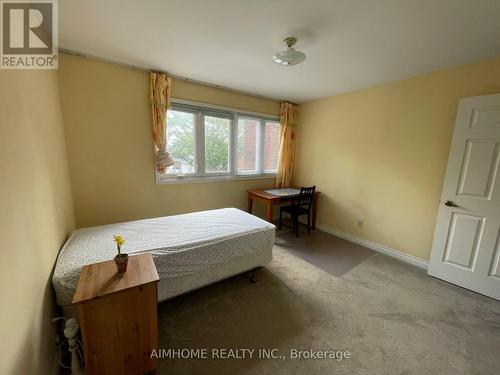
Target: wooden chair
299, 207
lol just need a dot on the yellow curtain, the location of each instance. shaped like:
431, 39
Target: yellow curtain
160, 102
288, 121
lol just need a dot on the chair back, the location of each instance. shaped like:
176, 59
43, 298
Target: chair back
305, 197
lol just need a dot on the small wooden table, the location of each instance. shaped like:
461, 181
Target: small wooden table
118, 316
271, 199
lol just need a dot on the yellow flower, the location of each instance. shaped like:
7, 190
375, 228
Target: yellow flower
119, 240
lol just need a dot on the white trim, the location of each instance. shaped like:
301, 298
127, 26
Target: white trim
377, 247
199, 143
166, 180
233, 145
238, 111
260, 145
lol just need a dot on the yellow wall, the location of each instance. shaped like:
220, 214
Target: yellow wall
380, 154
108, 130
36, 216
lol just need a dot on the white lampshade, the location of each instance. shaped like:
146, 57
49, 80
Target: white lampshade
290, 56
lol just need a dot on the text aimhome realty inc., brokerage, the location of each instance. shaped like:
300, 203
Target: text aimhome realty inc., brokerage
29, 34
250, 353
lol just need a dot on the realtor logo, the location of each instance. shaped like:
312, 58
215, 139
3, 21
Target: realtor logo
29, 34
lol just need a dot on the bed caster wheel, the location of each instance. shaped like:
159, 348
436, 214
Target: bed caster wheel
253, 277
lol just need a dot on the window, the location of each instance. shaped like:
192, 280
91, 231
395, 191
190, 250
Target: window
212, 142
248, 130
180, 141
271, 145
217, 144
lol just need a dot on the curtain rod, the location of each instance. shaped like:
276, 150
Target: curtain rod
137, 67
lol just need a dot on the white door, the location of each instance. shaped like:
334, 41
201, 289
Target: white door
466, 247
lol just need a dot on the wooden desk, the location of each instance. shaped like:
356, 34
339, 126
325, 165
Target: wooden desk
270, 200
118, 316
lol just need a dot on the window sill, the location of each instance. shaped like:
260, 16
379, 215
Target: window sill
171, 180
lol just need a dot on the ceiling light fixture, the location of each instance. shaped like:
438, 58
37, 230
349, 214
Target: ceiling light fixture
291, 56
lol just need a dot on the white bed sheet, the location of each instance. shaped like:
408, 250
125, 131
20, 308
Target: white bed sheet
181, 245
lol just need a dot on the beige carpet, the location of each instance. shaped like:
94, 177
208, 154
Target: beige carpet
391, 317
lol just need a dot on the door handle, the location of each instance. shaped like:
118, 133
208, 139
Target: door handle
450, 204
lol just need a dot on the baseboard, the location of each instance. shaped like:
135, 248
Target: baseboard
377, 247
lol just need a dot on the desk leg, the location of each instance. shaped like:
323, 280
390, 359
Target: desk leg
270, 210
249, 203
314, 210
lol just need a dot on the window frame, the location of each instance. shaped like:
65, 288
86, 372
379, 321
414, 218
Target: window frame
200, 110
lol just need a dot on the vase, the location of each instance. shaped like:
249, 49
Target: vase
121, 262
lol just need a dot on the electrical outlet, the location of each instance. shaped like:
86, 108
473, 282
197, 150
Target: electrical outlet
360, 223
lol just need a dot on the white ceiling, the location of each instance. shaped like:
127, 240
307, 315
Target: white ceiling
350, 44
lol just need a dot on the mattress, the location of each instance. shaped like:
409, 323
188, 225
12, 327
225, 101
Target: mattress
183, 246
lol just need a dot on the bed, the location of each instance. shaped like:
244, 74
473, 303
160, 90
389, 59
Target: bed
190, 251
